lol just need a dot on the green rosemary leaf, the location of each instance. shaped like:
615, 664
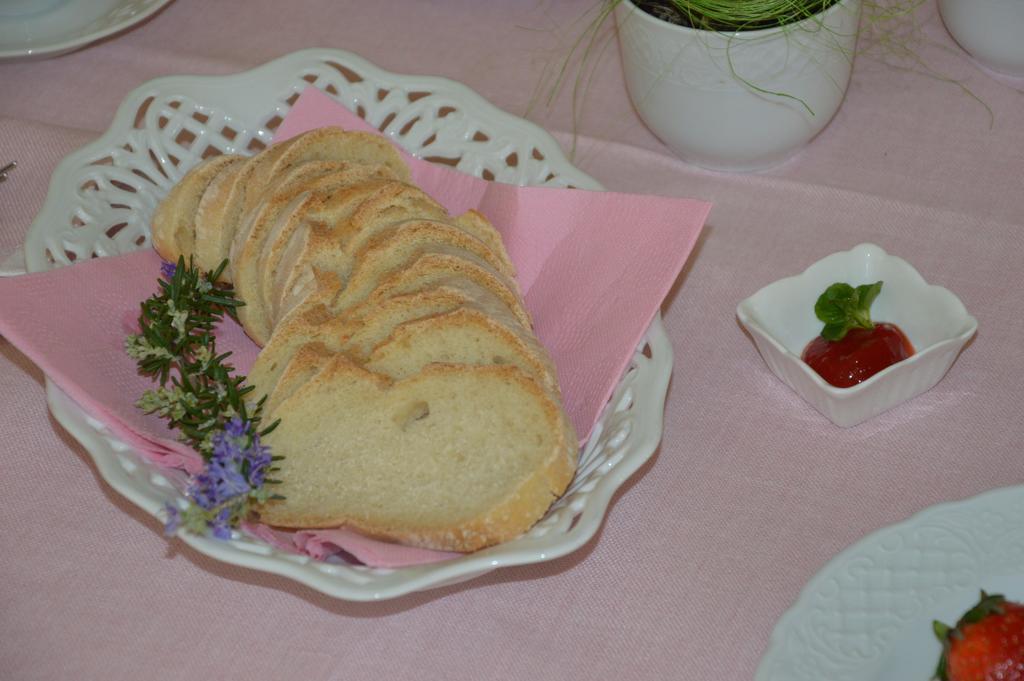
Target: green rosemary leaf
270, 429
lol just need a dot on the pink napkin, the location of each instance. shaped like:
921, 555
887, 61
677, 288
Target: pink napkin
594, 268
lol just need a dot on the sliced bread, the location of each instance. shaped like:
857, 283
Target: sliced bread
328, 144
303, 364
465, 335
220, 209
453, 458
368, 326
430, 269
285, 244
278, 212
173, 225
391, 248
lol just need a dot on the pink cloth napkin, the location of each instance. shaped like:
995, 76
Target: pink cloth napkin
594, 268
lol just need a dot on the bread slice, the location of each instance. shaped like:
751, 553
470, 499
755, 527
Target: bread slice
304, 177
304, 363
478, 225
329, 144
317, 326
454, 458
285, 242
331, 244
465, 335
400, 203
255, 320
392, 203
368, 326
235, 199
173, 226
391, 248
280, 211
220, 209
433, 268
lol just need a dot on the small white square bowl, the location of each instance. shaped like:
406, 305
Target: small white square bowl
780, 318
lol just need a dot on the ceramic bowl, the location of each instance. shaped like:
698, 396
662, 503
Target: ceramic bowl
738, 101
780, 318
991, 31
21, 8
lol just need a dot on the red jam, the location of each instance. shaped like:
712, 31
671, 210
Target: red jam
861, 354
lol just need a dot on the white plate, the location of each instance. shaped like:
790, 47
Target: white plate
65, 25
102, 196
867, 616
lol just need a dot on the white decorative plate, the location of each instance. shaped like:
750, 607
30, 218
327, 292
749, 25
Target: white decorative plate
58, 26
867, 616
102, 196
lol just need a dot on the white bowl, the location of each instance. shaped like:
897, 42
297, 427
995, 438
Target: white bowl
737, 101
780, 318
991, 31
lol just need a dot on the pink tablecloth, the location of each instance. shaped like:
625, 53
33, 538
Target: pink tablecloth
751, 493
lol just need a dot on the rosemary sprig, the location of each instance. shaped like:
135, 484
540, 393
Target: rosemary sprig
198, 391
199, 395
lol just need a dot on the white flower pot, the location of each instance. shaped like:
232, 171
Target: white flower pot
991, 31
737, 101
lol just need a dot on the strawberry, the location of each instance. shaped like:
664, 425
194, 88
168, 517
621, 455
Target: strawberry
987, 644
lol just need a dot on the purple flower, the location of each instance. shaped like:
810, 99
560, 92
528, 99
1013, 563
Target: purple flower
219, 483
227, 481
221, 524
167, 269
258, 456
225, 449
203, 490
236, 427
238, 464
173, 519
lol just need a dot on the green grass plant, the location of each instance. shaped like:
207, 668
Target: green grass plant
747, 15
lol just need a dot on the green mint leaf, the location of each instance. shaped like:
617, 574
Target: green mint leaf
835, 331
867, 293
842, 307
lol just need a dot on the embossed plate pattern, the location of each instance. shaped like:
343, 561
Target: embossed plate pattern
867, 616
102, 196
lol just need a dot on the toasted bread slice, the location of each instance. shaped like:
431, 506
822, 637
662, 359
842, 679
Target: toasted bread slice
285, 243
367, 326
235, 199
221, 208
304, 177
408, 461
390, 248
328, 144
272, 216
465, 335
173, 225
336, 241
430, 269
478, 225
303, 364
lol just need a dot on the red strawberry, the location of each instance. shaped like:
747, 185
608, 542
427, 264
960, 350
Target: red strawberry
987, 643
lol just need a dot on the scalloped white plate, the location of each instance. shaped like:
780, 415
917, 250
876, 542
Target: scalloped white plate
867, 616
101, 199
66, 25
